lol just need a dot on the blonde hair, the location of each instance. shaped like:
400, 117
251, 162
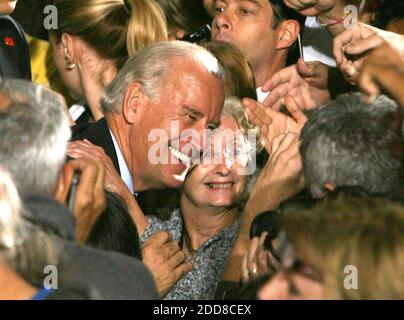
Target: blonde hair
115, 29
240, 80
233, 107
350, 231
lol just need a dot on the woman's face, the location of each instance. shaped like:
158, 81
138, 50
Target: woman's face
70, 78
7, 6
220, 183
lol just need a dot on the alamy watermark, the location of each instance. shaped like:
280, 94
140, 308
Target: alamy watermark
235, 149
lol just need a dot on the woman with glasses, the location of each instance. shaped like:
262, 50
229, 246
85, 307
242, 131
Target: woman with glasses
206, 222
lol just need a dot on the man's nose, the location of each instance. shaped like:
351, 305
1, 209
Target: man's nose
223, 22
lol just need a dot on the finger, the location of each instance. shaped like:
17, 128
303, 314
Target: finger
294, 110
170, 248
251, 259
281, 77
245, 277
257, 114
340, 42
100, 179
85, 189
306, 70
64, 182
176, 259
183, 269
361, 46
368, 87
276, 96
261, 255
158, 239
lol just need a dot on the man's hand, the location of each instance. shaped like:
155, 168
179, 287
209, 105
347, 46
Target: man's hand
351, 47
274, 123
90, 197
383, 69
113, 181
307, 83
165, 260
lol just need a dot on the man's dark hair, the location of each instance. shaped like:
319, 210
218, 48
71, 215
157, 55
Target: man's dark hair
388, 11
281, 13
187, 15
115, 230
347, 143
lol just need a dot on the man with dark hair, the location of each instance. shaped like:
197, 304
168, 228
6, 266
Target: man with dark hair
14, 51
265, 31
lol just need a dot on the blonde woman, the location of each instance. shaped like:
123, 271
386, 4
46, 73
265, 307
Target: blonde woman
349, 248
94, 40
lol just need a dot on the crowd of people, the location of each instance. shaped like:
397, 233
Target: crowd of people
198, 150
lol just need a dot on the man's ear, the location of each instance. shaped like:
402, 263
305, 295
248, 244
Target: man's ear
288, 32
133, 102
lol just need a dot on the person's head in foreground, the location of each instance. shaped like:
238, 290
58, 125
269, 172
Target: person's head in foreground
349, 248
24, 249
34, 131
348, 143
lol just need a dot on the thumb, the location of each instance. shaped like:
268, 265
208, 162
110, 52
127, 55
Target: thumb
306, 70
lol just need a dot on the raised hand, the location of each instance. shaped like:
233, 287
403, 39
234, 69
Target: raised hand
274, 123
307, 83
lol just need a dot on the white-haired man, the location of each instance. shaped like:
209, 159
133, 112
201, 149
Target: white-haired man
166, 85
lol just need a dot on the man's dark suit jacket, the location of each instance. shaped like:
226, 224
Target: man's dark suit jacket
97, 133
14, 50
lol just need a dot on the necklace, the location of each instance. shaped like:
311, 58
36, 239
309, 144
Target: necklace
191, 250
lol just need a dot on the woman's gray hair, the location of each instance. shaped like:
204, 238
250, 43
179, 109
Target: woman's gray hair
234, 107
34, 133
150, 65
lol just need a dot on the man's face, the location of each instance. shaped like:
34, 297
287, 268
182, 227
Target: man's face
247, 25
7, 6
190, 98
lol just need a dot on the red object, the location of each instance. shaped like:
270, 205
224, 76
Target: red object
9, 41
